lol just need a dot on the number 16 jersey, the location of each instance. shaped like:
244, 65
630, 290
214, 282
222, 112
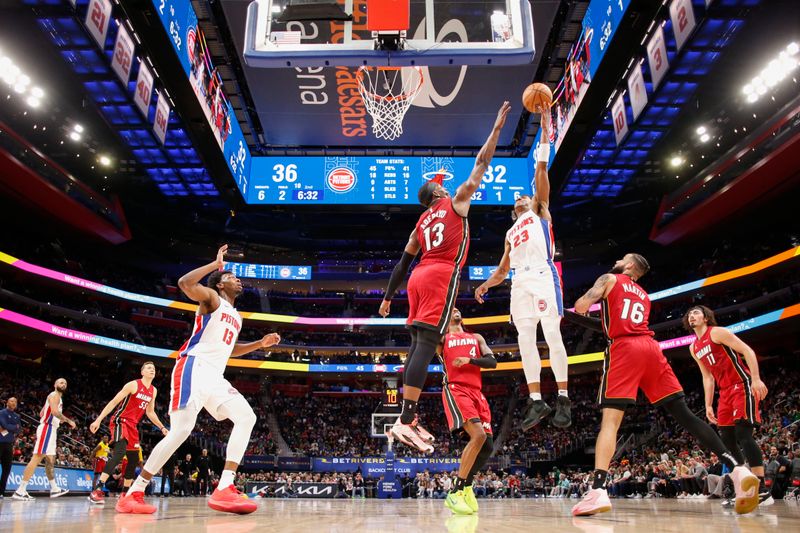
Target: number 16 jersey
625, 311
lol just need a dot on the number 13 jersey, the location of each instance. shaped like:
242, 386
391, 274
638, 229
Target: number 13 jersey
214, 336
443, 234
626, 310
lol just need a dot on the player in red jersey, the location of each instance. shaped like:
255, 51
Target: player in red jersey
132, 402
719, 352
634, 361
442, 233
463, 355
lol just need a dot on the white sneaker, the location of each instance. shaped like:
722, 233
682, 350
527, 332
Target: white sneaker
408, 435
22, 497
58, 493
745, 485
423, 433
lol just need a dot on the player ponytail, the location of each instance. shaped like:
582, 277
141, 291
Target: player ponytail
709, 315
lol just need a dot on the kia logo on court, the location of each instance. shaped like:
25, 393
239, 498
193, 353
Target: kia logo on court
341, 179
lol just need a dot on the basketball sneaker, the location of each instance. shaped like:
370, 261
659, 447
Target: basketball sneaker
423, 433
58, 492
745, 485
562, 418
593, 502
537, 410
765, 499
97, 496
469, 497
408, 435
457, 503
22, 496
230, 500
134, 504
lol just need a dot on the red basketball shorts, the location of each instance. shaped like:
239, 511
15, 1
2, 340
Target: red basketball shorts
432, 291
462, 403
100, 464
125, 430
737, 402
634, 363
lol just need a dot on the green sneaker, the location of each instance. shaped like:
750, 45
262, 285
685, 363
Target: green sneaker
456, 503
470, 498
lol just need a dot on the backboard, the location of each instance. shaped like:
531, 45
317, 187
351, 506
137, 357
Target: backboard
439, 33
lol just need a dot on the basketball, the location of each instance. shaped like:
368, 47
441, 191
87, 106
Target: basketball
537, 94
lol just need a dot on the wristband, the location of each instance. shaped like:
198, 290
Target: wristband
543, 152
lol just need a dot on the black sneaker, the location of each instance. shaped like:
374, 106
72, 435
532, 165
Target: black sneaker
562, 417
727, 503
537, 410
765, 498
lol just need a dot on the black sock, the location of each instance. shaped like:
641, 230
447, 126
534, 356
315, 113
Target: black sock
762, 486
460, 484
409, 411
470, 479
599, 479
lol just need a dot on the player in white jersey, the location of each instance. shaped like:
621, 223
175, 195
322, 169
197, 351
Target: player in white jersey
536, 290
50, 417
198, 383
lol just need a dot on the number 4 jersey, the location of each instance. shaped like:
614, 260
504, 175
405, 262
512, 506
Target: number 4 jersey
626, 309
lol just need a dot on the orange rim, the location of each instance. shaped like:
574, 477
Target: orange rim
402, 96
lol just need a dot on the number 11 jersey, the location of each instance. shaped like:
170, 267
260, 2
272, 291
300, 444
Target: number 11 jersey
626, 310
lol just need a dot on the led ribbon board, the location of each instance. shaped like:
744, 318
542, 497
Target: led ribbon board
139, 349
386, 322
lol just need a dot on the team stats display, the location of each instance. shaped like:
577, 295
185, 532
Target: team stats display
378, 180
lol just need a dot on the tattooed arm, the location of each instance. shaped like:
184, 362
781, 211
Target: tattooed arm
599, 290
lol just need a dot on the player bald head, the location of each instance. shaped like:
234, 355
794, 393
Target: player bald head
430, 192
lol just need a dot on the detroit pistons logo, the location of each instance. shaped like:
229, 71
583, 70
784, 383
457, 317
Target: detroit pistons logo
341, 180
542, 304
285, 272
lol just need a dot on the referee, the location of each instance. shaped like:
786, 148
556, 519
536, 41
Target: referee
9, 427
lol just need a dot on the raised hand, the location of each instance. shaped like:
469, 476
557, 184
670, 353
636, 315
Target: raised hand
220, 256
502, 114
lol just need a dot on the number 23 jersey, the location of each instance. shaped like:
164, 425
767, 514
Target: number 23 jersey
625, 311
214, 336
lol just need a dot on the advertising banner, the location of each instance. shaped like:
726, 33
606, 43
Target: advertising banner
73, 479
299, 490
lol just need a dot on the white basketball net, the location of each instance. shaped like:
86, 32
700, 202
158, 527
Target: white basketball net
387, 93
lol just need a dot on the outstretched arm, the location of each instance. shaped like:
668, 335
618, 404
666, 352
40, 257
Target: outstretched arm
498, 276
598, 291
464, 193
541, 178
151, 414
191, 287
399, 273
729, 339
244, 348
129, 388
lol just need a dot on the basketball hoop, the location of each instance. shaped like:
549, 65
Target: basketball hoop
387, 93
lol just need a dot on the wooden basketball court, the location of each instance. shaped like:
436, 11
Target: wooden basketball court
183, 515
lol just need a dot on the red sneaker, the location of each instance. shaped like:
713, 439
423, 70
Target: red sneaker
97, 497
134, 504
230, 500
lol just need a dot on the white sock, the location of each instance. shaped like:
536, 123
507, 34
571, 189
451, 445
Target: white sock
563, 392
53, 486
536, 396
22, 486
226, 479
138, 486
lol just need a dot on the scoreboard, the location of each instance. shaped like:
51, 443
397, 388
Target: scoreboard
377, 180
259, 271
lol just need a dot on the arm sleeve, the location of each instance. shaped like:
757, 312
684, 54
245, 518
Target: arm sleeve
398, 274
583, 321
485, 361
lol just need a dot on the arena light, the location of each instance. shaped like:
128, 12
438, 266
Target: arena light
676, 161
104, 160
34, 102
75, 136
701, 130
773, 73
704, 138
78, 128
